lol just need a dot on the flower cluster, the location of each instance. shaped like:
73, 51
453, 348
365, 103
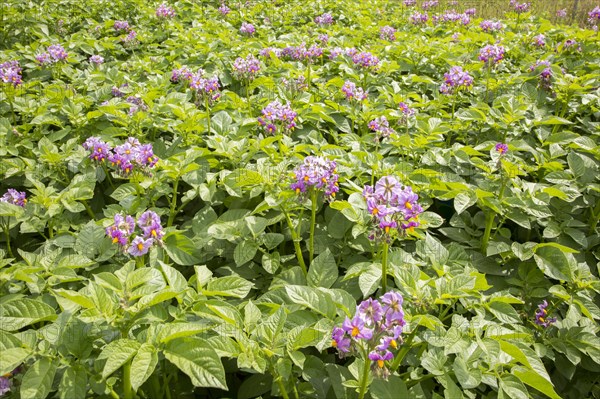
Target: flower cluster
375, 328
490, 26
491, 54
407, 112
97, 59
365, 59
519, 7
470, 12
571, 43
301, 53
410, 3
131, 39
5, 380
539, 40
123, 228
541, 315
116, 91
392, 206
207, 88
501, 148
136, 104
247, 29
181, 74
594, 15
453, 16
323, 38
165, 12
387, 33
127, 157
545, 74
428, 5
561, 13
325, 19
419, 19
352, 92
455, 80
275, 114
382, 127
318, 173
267, 52
14, 197
246, 68
121, 25
54, 54
223, 9
10, 72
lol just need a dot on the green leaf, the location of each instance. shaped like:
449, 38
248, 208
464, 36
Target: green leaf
311, 298
143, 365
117, 353
555, 263
37, 381
323, 270
369, 280
171, 331
513, 387
504, 312
254, 386
199, 361
244, 252
468, 378
11, 358
74, 383
180, 249
234, 286
464, 200
394, 387
18, 314
535, 381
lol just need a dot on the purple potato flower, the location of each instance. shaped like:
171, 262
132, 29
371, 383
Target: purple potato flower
491, 54
541, 315
140, 246
165, 12
455, 80
14, 197
10, 72
247, 29
318, 173
501, 148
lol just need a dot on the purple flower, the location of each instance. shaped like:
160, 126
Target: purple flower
14, 197
519, 7
365, 60
139, 246
130, 39
5, 385
407, 112
370, 311
541, 315
356, 328
295, 85
410, 3
419, 19
246, 68
318, 173
325, 19
381, 126
323, 38
340, 341
165, 12
57, 53
99, 149
561, 13
491, 26
594, 16
223, 9
149, 222
247, 29
470, 11
455, 80
121, 229
180, 74
539, 40
277, 114
97, 59
352, 92
43, 59
387, 33
491, 54
121, 25
10, 72
379, 359
392, 308
427, 5
501, 148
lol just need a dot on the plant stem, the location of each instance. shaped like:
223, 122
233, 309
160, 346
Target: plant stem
308, 71
127, 380
207, 114
139, 262
384, 262
50, 229
313, 217
88, 209
595, 217
296, 241
365, 376
173, 203
282, 388
405, 348
489, 221
248, 96
10, 104
7, 234
487, 81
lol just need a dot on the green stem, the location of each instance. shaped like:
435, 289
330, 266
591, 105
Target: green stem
404, 351
313, 217
487, 81
10, 104
50, 229
384, 265
248, 95
207, 113
282, 388
365, 376
296, 241
489, 221
7, 234
139, 262
88, 209
127, 393
449, 136
595, 217
308, 71
173, 212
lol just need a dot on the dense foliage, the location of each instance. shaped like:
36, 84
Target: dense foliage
384, 199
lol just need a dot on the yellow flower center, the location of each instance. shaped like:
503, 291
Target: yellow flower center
334, 343
387, 229
394, 343
408, 205
375, 211
115, 240
380, 364
355, 331
153, 233
140, 246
